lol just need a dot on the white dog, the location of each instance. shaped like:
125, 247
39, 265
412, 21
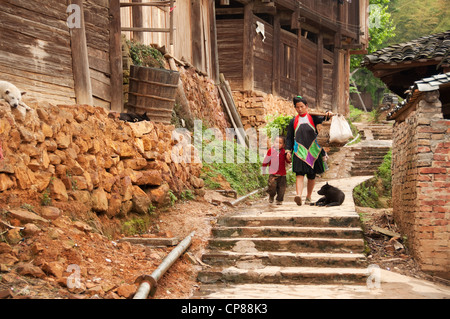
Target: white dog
11, 94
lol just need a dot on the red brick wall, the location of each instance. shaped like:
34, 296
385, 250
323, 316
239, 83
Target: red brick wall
421, 184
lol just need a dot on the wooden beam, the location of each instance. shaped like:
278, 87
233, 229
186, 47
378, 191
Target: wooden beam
299, 60
248, 61
319, 72
229, 11
140, 30
173, 241
145, 4
80, 61
276, 55
138, 22
295, 19
336, 76
196, 34
171, 22
214, 46
115, 57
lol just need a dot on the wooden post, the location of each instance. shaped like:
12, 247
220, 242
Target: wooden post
248, 72
276, 55
171, 8
299, 61
337, 85
319, 71
80, 61
115, 56
214, 48
196, 34
138, 22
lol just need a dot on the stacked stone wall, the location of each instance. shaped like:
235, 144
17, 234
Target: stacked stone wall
81, 153
255, 107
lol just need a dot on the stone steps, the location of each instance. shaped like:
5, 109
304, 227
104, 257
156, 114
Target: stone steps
367, 160
292, 244
285, 275
296, 220
282, 259
286, 245
287, 231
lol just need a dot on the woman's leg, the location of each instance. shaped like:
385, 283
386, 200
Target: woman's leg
310, 187
299, 189
299, 182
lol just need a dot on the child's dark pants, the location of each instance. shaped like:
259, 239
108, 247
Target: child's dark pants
277, 186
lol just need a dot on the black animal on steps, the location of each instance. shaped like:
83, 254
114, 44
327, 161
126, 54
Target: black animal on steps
332, 196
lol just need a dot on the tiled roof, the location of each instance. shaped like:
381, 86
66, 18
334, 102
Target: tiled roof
427, 84
431, 47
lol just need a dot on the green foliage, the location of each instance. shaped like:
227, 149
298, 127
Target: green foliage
366, 194
367, 82
277, 123
232, 162
370, 193
417, 18
187, 195
145, 55
172, 198
381, 28
384, 173
243, 173
136, 226
355, 114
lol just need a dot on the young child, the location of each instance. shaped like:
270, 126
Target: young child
276, 161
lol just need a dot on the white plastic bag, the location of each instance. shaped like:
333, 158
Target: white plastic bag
340, 131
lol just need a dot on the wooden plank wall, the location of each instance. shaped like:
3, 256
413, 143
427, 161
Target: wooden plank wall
308, 58
327, 87
230, 40
35, 51
153, 17
186, 14
288, 64
325, 8
96, 15
263, 55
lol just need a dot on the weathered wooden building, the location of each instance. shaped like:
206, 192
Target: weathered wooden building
288, 47
281, 47
421, 147
69, 51
63, 51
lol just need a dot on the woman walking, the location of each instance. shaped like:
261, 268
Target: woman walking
302, 148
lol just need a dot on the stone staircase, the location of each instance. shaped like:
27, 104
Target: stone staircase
368, 155
286, 245
377, 131
367, 158
363, 158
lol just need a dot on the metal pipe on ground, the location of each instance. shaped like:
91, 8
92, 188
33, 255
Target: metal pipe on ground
237, 201
148, 282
